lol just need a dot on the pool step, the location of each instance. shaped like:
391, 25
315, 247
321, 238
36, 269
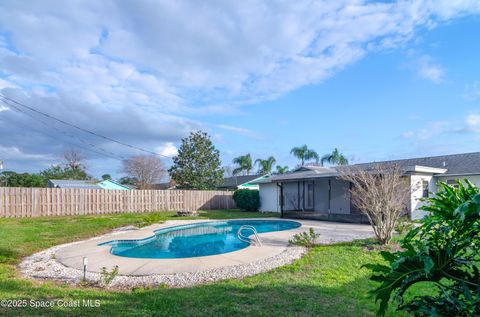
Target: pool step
247, 239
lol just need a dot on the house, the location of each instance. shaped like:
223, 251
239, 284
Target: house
110, 184
240, 182
164, 186
316, 192
86, 184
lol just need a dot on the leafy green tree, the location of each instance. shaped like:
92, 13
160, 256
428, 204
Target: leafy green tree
132, 181
106, 177
244, 163
334, 158
59, 172
303, 153
281, 169
197, 165
265, 166
12, 179
444, 251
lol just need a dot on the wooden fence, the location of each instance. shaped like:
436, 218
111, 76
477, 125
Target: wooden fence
36, 202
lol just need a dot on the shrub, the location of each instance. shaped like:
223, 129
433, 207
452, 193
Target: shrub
404, 225
444, 251
380, 193
107, 277
150, 219
305, 239
247, 199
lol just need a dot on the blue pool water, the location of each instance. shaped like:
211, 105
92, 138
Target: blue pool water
199, 239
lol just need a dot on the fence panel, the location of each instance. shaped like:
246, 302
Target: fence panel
36, 202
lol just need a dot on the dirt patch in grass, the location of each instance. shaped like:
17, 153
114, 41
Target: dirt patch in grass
374, 246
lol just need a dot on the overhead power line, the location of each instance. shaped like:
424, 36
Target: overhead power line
83, 129
104, 152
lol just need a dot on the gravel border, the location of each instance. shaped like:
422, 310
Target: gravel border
44, 266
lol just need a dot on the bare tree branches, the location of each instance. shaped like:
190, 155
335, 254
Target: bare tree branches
146, 169
74, 159
381, 192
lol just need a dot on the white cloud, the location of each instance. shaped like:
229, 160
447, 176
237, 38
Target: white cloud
470, 124
15, 153
430, 130
242, 51
167, 149
426, 69
138, 70
242, 131
473, 120
408, 134
472, 91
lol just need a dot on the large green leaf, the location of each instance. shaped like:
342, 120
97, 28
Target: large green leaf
444, 250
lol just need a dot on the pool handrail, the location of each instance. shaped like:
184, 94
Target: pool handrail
247, 239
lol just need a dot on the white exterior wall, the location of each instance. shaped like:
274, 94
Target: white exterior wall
416, 194
416, 182
475, 179
269, 197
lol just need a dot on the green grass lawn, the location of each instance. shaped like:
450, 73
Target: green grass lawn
328, 281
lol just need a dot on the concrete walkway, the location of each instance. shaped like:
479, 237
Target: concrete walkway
273, 244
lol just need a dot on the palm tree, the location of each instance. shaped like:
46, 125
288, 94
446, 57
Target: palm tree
265, 166
244, 163
282, 169
334, 158
303, 153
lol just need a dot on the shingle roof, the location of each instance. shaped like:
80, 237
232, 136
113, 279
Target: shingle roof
234, 181
301, 173
455, 164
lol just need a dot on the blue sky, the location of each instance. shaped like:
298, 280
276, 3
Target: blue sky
377, 80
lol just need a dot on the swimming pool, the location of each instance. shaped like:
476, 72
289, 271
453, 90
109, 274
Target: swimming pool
198, 239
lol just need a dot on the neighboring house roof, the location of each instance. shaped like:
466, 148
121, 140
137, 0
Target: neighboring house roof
253, 184
85, 184
444, 165
234, 181
163, 186
71, 183
109, 184
455, 164
303, 172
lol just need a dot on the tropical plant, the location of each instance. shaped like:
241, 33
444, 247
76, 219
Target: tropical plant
247, 199
303, 153
334, 158
244, 163
197, 165
444, 251
444, 203
404, 225
106, 177
265, 166
281, 169
305, 239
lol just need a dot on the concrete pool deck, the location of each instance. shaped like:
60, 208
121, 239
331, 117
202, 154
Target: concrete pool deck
273, 243
65, 262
